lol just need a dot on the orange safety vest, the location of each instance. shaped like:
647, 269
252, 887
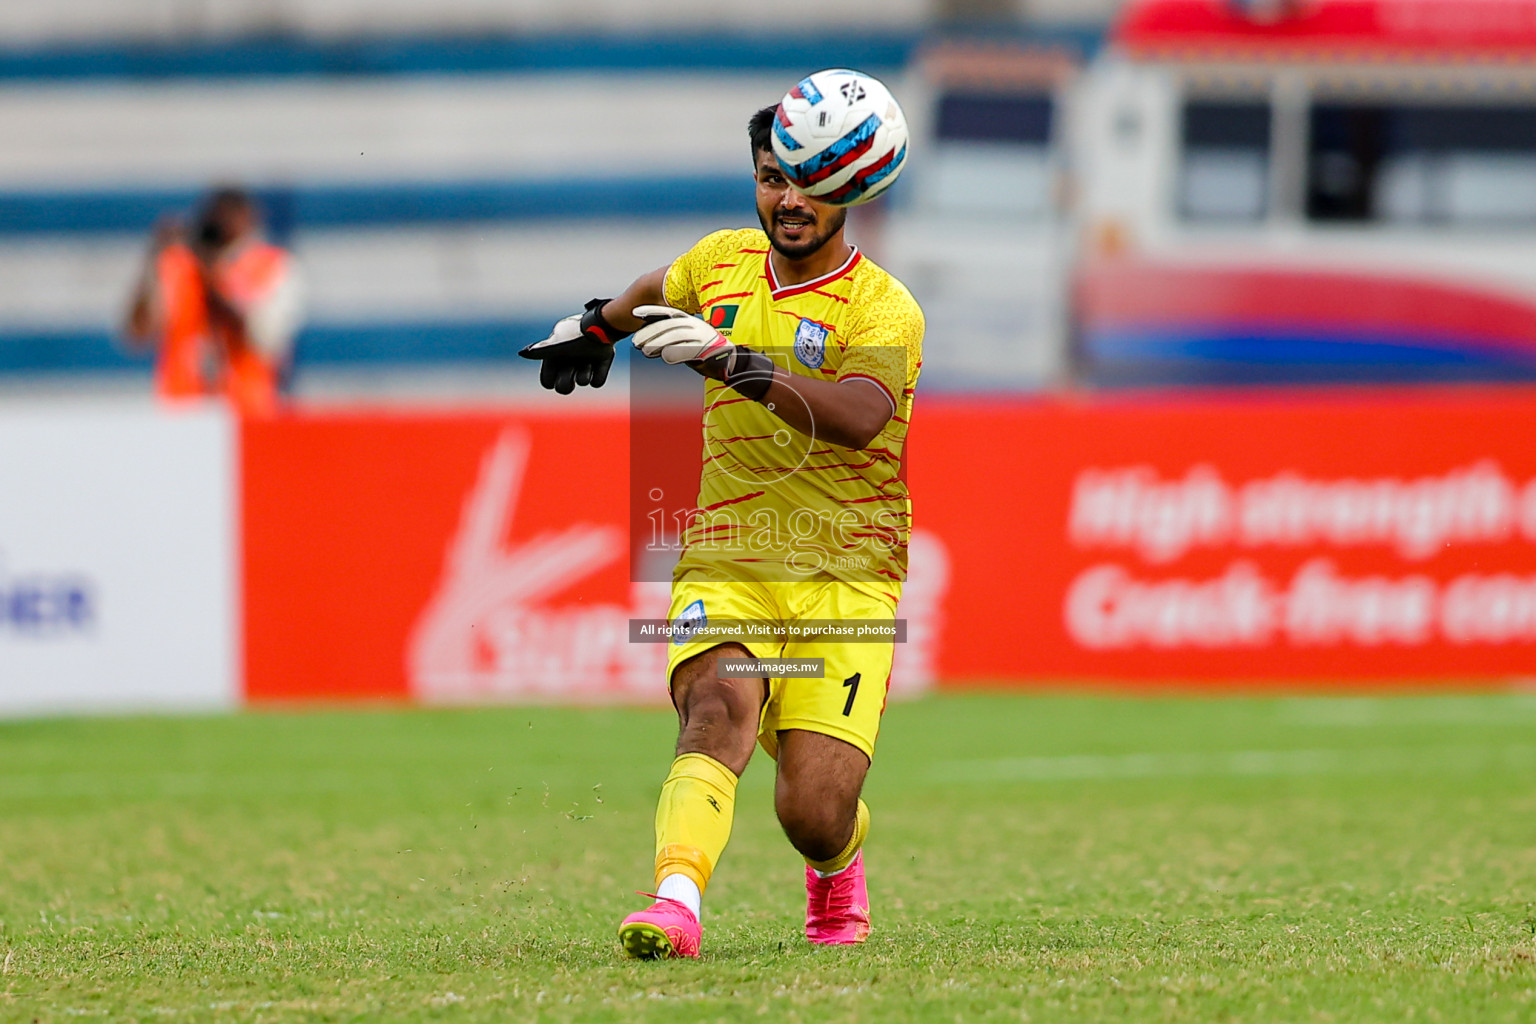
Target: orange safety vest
196, 355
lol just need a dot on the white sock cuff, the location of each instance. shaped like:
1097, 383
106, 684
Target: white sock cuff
685, 890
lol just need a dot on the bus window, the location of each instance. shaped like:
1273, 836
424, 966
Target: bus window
992, 153
1224, 170
1426, 164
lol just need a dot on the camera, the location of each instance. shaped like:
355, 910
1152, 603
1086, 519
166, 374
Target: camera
210, 232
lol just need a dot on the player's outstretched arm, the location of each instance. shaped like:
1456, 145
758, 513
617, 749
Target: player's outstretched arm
848, 413
579, 350
646, 290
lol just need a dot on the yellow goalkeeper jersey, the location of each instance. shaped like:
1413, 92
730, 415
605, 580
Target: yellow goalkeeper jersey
774, 504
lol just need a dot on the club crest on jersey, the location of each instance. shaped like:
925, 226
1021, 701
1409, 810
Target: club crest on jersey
687, 625
811, 344
722, 318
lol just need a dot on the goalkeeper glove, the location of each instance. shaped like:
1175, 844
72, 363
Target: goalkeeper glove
578, 351
678, 337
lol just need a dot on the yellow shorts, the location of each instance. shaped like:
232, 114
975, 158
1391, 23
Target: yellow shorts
849, 698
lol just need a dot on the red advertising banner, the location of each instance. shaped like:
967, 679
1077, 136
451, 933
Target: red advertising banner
1363, 539
391, 556
466, 558
1359, 539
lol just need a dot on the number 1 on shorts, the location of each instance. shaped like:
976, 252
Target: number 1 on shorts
851, 684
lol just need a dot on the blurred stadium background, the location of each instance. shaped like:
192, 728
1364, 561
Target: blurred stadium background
1227, 392
1199, 276
451, 174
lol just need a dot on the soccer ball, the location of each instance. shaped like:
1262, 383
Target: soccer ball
840, 137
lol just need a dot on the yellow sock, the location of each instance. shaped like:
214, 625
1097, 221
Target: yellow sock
693, 818
855, 841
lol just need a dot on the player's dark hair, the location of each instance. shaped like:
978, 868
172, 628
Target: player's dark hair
760, 128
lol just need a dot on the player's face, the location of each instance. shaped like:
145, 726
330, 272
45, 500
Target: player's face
797, 226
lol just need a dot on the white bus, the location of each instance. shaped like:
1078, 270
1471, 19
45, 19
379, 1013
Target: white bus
1311, 191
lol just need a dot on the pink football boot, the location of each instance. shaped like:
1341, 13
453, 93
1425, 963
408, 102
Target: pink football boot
666, 928
837, 908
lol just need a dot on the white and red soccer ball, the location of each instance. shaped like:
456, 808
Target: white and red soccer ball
840, 137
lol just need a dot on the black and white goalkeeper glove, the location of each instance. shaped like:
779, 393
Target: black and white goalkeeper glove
578, 351
678, 337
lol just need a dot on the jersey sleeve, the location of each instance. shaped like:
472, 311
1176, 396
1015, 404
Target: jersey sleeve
690, 271
885, 344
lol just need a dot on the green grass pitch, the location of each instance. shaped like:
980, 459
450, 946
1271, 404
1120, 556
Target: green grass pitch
1040, 859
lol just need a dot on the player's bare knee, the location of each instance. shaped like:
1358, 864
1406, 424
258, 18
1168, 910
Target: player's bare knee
816, 835
817, 825
716, 716
717, 725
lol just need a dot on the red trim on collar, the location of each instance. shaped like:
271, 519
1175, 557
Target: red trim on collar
809, 286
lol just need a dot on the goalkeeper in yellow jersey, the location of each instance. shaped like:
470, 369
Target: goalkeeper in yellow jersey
810, 353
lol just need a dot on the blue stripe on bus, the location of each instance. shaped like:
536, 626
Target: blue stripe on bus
1259, 355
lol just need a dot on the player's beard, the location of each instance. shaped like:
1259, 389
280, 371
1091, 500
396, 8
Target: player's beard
824, 226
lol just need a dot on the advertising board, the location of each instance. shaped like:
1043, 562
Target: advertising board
117, 560
1340, 539
1329, 539
459, 558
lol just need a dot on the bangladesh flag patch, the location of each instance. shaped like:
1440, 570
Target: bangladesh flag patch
723, 318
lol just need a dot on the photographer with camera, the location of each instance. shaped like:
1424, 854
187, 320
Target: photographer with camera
219, 305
